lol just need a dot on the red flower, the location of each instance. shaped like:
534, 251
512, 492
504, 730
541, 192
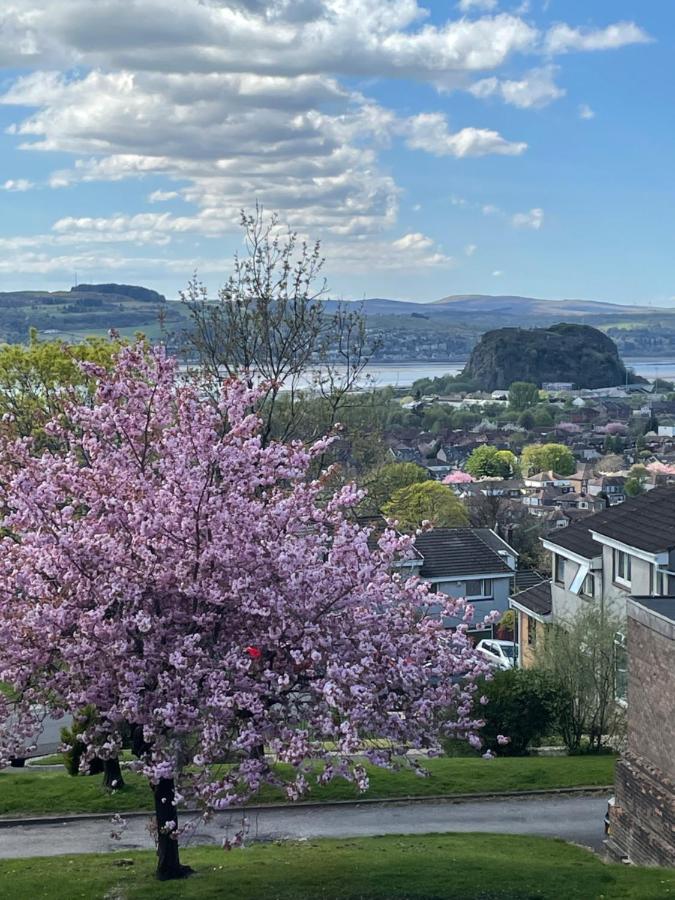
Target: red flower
253, 652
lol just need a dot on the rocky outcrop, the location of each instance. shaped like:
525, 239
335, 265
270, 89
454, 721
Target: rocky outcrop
571, 353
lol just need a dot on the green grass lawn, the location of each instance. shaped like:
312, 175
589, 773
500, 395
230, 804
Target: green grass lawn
32, 791
430, 867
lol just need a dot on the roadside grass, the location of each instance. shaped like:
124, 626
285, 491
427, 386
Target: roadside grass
35, 791
429, 867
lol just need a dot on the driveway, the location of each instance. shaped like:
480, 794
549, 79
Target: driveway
577, 818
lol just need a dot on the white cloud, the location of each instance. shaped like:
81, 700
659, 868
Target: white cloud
489, 209
467, 6
411, 252
497, 273
533, 219
429, 132
563, 38
17, 184
585, 111
239, 100
162, 196
537, 88
470, 249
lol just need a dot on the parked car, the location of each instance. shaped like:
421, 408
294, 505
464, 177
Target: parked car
500, 654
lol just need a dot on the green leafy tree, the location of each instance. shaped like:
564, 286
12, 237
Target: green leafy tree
584, 656
543, 416
36, 379
427, 501
526, 420
489, 462
548, 457
523, 395
386, 480
636, 481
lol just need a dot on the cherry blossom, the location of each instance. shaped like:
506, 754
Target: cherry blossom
162, 566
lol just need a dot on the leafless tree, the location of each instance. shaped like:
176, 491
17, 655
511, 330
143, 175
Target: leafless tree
270, 324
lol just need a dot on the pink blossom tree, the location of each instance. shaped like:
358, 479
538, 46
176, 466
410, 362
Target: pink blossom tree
458, 477
162, 567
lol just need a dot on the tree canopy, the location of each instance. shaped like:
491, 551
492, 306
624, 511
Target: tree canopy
164, 572
37, 379
489, 462
548, 457
523, 395
389, 478
429, 501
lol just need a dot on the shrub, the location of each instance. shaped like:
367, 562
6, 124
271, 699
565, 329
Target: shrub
522, 705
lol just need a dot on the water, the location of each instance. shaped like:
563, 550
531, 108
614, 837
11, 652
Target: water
404, 374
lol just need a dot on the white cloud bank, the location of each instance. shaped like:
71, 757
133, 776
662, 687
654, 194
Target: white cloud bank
238, 100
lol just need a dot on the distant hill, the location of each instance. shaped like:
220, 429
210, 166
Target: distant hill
86, 309
133, 291
459, 305
564, 352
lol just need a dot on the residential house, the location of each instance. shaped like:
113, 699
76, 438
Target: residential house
610, 486
533, 610
625, 549
642, 820
602, 559
474, 563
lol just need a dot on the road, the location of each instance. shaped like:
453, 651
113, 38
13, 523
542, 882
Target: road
577, 818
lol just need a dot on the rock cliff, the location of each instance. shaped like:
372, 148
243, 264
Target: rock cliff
572, 353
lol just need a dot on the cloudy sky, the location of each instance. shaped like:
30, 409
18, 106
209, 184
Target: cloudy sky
434, 147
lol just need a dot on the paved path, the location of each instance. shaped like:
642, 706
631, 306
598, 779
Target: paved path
578, 819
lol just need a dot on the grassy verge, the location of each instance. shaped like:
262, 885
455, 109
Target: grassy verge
433, 867
34, 792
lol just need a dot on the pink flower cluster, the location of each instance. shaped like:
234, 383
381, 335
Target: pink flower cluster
162, 566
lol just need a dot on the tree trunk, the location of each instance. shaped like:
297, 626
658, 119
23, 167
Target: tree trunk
168, 863
112, 775
96, 766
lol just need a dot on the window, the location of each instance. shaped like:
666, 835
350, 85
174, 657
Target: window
622, 568
588, 587
559, 570
479, 588
659, 582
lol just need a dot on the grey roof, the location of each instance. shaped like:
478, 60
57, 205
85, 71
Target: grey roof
492, 539
646, 522
536, 598
455, 552
577, 538
664, 606
527, 578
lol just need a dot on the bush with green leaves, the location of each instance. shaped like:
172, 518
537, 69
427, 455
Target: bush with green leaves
522, 705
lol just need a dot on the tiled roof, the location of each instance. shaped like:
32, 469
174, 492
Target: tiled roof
454, 552
537, 598
527, 578
493, 540
646, 522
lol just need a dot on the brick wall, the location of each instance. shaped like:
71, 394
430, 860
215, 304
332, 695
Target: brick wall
643, 819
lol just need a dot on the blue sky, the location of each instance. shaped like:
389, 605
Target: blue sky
435, 148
